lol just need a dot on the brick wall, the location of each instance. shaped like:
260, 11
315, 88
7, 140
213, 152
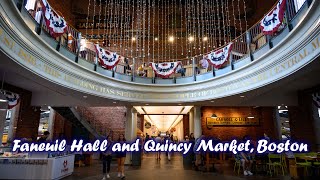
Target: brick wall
62, 127
110, 118
29, 116
226, 133
64, 8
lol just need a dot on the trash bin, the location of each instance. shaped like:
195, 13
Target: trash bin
136, 158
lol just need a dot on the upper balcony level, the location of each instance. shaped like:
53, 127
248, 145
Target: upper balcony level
256, 59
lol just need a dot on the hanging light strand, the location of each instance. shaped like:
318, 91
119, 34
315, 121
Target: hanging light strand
88, 14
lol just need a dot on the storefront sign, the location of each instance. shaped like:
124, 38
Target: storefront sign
232, 121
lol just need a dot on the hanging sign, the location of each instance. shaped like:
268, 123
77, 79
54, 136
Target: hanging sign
147, 125
164, 70
107, 59
316, 99
231, 121
219, 57
55, 23
272, 21
12, 98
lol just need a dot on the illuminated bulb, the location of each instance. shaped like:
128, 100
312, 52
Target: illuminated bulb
133, 39
171, 39
205, 38
191, 38
156, 39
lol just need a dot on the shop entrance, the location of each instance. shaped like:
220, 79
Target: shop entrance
163, 123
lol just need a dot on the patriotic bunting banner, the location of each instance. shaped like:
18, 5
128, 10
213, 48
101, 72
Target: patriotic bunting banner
164, 70
13, 99
316, 99
219, 57
55, 23
272, 21
107, 59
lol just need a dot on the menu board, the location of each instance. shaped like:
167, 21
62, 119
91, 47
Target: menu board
232, 121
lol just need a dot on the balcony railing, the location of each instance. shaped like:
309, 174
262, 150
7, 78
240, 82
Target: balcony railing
246, 48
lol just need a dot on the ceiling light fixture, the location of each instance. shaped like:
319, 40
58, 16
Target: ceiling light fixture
3, 100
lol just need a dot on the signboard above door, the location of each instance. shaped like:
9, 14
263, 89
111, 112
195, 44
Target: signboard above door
232, 121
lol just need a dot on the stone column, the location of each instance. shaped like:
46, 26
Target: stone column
131, 129
191, 121
197, 121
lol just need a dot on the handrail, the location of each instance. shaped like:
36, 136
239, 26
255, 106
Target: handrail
243, 46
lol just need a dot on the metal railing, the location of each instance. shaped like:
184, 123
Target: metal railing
243, 46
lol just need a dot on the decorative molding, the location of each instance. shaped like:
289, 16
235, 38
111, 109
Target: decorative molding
27, 49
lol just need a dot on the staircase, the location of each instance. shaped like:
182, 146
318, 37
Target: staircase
77, 117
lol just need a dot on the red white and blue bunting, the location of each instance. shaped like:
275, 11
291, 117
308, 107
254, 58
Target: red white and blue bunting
165, 69
12, 98
107, 59
55, 23
272, 21
218, 57
316, 99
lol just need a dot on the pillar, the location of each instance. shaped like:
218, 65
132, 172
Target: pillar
197, 121
191, 121
305, 122
13, 122
3, 113
51, 120
131, 129
277, 123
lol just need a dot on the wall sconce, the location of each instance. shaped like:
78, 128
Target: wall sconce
214, 116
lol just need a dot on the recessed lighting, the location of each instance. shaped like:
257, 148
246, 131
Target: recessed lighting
191, 38
156, 39
250, 117
133, 39
205, 38
85, 96
242, 96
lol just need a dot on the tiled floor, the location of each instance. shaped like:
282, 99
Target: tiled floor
151, 169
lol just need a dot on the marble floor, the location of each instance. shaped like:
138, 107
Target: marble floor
153, 169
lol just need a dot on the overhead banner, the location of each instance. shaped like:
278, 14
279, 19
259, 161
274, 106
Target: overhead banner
232, 121
164, 70
55, 23
107, 59
12, 98
219, 57
272, 21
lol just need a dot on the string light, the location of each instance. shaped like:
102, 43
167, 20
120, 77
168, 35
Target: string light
88, 14
165, 30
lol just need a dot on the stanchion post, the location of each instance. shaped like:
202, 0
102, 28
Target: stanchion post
133, 69
78, 47
194, 69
